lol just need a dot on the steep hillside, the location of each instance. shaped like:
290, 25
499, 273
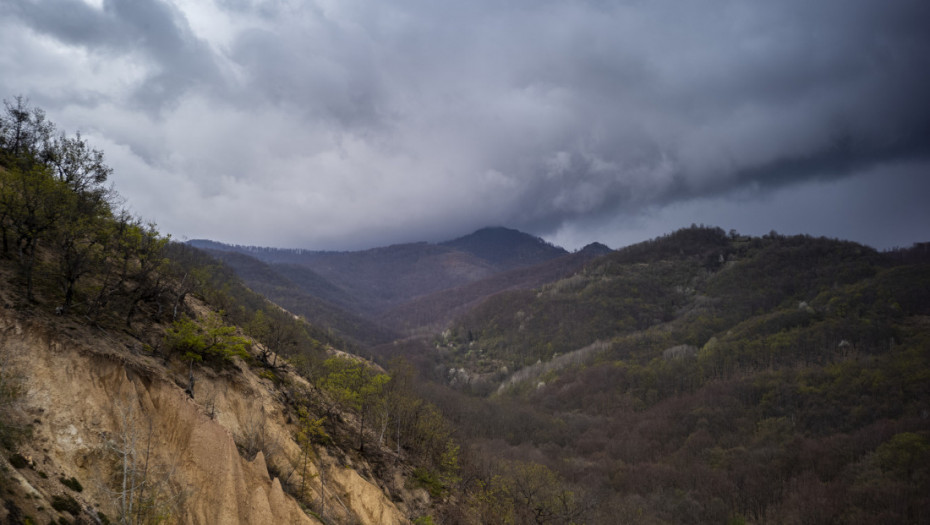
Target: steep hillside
193, 422
120, 405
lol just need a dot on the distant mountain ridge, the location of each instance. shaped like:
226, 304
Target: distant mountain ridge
371, 282
499, 246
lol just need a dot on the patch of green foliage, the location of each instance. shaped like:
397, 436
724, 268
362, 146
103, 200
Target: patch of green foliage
423, 478
209, 340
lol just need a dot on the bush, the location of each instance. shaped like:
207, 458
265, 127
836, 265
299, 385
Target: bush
194, 341
66, 504
423, 478
72, 484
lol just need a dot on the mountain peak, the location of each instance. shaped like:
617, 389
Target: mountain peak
506, 247
596, 249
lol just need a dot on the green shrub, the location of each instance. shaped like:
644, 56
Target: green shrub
425, 479
211, 339
66, 504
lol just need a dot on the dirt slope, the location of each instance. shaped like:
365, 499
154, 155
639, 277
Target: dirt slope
89, 396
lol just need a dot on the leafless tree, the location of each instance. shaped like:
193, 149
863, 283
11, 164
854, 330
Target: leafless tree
144, 490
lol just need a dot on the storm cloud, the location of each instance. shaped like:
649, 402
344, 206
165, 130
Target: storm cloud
349, 124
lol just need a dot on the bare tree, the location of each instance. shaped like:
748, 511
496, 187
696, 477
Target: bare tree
144, 491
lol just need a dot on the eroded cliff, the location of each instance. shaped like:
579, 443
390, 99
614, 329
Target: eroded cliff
98, 408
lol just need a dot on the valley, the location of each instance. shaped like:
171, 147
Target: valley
702, 376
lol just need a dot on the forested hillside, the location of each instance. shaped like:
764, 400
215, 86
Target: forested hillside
706, 377
701, 377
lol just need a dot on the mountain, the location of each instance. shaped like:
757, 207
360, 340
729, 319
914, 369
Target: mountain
506, 248
373, 295
370, 282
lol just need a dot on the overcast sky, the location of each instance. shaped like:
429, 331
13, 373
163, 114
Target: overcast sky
339, 124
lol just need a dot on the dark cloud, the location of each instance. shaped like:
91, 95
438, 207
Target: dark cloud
154, 33
340, 124
71, 22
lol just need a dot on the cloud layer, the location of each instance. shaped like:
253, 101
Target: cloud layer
347, 124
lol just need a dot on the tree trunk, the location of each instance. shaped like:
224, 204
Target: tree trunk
361, 427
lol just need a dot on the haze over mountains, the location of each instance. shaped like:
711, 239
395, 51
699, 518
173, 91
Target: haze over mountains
403, 286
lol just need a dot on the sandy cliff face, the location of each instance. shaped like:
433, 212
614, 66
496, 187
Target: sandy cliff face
89, 400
